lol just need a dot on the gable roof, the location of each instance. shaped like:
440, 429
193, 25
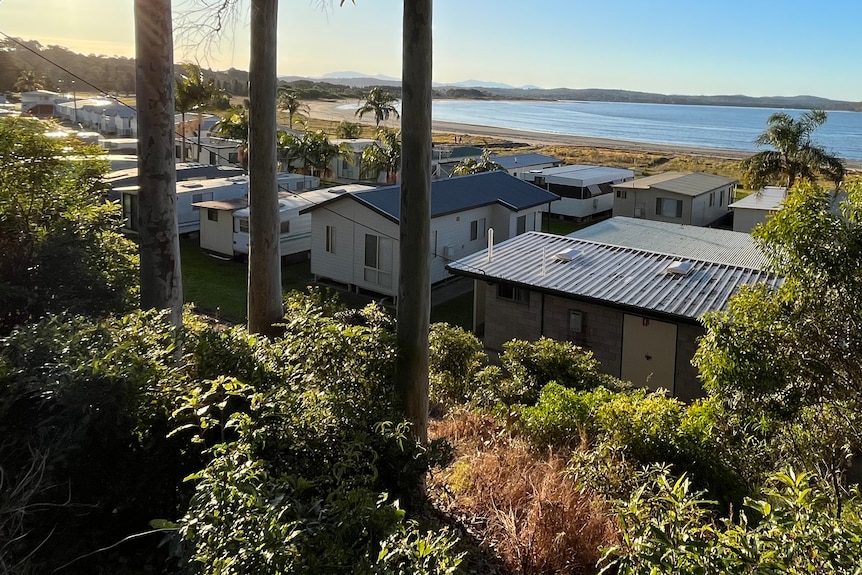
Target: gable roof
696, 242
623, 277
513, 161
451, 195
583, 175
679, 183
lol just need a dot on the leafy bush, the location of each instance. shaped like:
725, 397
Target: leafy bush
91, 397
455, 357
532, 365
667, 528
62, 250
563, 417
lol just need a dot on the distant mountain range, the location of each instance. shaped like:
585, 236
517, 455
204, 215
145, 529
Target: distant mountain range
495, 90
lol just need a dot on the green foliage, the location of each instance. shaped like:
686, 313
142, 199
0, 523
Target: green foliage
62, 250
379, 102
94, 399
311, 151
793, 156
455, 357
474, 166
667, 528
384, 155
292, 102
564, 417
348, 130
532, 365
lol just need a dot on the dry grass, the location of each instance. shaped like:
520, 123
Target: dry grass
517, 504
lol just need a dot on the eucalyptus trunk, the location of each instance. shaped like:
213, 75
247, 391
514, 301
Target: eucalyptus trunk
414, 281
161, 276
264, 260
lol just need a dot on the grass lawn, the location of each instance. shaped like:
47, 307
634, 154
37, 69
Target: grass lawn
219, 288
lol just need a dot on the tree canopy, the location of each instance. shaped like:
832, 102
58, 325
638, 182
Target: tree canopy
794, 155
379, 102
62, 250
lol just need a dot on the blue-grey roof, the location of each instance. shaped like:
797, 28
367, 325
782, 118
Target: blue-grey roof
513, 161
611, 275
451, 195
707, 244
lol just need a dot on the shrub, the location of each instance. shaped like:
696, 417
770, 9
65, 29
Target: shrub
455, 357
668, 528
563, 417
532, 365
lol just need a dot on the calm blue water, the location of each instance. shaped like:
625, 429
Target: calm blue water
700, 126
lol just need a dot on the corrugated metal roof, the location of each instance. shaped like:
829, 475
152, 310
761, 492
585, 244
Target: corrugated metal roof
461, 193
769, 198
626, 277
228, 205
579, 175
645, 183
513, 161
706, 244
303, 200
694, 184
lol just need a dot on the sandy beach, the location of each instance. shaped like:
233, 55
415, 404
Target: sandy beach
328, 110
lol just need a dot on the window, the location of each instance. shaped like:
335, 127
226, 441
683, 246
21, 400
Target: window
521, 225
378, 260
213, 158
477, 229
513, 293
711, 199
668, 208
621, 194
330, 239
233, 157
721, 198
285, 227
212, 215
243, 225
576, 322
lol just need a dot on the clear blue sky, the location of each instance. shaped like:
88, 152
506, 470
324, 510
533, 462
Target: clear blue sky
753, 47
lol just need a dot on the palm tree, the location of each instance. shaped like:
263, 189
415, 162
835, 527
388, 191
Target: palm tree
794, 155
381, 102
474, 166
384, 155
234, 126
348, 130
288, 150
290, 101
193, 93
28, 81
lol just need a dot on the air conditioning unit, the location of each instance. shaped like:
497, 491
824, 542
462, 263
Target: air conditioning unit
567, 255
639, 213
449, 251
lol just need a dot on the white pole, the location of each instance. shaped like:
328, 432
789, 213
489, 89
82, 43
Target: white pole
490, 244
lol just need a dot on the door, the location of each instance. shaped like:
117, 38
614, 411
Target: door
649, 352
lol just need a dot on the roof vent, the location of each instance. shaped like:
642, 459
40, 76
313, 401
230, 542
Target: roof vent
191, 185
567, 255
678, 268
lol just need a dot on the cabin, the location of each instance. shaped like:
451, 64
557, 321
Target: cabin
693, 199
637, 310
755, 208
519, 165
355, 237
224, 225
585, 191
193, 192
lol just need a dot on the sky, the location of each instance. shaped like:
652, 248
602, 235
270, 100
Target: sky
695, 47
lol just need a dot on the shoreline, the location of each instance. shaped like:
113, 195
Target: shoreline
328, 110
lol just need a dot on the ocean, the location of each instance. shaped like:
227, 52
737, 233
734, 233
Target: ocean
700, 126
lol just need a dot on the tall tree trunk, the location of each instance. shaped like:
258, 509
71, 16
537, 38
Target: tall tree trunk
161, 277
264, 259
414, 288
